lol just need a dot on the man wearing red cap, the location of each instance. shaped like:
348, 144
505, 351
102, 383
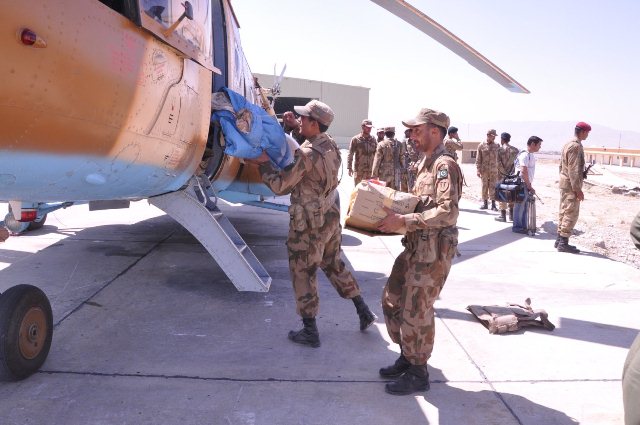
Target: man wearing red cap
571, 177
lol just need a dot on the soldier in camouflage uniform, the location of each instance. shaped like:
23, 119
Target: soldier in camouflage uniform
506, 156
314, 228
363, 148
487, 169
291, 126
571, 178
420, 271
452, 142
412, 156
387, 163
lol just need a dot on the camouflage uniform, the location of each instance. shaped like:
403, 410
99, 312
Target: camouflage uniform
315, 233
412, 157
387, 164
420, 271
506, 157
571, 178
487, 165
452, 145
364, 149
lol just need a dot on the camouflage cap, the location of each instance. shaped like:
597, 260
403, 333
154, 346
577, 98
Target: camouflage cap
492, 132
380, 130
317, 110
367, 123
389, 129
431, 116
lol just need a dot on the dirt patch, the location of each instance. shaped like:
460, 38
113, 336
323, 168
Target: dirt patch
605, 214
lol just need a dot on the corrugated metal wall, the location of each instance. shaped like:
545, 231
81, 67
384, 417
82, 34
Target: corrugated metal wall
349, 103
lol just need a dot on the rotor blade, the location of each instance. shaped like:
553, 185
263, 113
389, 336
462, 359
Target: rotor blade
413, 16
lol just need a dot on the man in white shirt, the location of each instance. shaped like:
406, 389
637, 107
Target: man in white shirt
525, 163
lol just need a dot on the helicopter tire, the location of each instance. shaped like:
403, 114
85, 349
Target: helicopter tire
26, 331
14, 226
37, 224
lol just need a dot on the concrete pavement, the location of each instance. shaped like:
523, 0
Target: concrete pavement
150, 331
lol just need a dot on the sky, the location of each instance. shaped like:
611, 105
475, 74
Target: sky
579, 58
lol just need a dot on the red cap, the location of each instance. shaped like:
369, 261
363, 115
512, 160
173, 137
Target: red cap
583, 126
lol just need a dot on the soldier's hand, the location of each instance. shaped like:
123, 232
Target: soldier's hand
290, 121
391, 222
580, 195
479, 174
350, 173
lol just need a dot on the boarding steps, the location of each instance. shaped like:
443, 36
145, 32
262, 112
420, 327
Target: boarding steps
194, 207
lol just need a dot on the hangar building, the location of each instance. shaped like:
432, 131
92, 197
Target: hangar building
349, 103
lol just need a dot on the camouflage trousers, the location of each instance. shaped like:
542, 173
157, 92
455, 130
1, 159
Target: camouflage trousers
407, 304
360, 175
313, 248
569, 212
489, 186
504, 205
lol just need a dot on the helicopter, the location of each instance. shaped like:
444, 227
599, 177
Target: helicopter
110, 101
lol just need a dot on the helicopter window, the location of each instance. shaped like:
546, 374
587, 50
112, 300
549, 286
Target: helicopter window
194, 36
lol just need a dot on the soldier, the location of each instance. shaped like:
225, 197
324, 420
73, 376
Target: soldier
412, 157
291, 126
571, 178
420, 271
452, 142
487, 166
314, 227
507, 154
380, 135
363, 147
387, 163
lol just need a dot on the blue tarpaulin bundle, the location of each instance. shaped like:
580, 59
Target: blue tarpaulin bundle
262, 133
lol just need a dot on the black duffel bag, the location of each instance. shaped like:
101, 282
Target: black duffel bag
510, 189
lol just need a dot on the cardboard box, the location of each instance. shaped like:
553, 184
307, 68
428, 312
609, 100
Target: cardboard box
367, 202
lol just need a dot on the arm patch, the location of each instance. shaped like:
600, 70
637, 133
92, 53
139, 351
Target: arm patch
443, 174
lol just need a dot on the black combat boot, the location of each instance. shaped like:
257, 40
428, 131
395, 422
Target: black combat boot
563, 246
555, 244
308, 335
493, 206
503, 216
367, 318
415, 379
510, 213
484, 205
395, 370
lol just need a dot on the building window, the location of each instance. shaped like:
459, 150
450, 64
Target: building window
625, 160
473, 154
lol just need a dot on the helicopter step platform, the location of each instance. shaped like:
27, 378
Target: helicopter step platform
195, 209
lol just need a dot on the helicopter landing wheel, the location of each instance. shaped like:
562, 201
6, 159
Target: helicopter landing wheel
37, 224
26, 331
14, 226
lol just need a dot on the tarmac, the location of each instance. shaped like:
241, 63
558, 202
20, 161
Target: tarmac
149, 330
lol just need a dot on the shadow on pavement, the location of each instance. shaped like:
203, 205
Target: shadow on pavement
519, 408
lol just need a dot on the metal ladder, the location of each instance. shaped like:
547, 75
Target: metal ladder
194, 207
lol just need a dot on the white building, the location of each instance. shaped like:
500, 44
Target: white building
349, 103
612, 156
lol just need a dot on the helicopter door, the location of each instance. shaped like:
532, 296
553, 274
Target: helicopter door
170, 21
